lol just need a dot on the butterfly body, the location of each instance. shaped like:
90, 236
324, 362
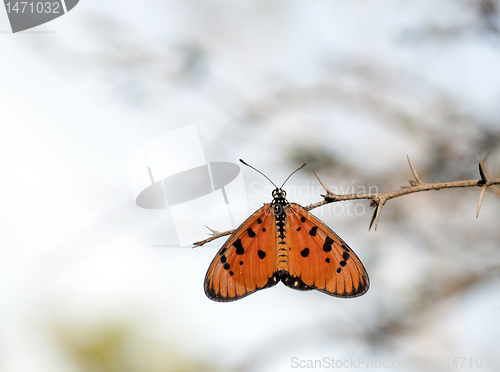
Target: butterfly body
282, 241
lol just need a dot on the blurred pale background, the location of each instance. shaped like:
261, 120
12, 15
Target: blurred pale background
350, 87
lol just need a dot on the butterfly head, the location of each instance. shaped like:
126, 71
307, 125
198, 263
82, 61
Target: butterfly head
279, 193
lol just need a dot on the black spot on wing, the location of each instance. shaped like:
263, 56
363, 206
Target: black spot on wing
345, 256
305, 252
264, 229
231, 273
239, 248
261, 254
223, 259
259, 221
241, 262
298, 229
302, 219
343, 263
222, 251
327, 247
313, 231
345, 247
226, 266
250, 232
327, 260
339, 270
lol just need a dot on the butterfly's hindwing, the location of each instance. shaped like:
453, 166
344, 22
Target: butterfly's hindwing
320, 259
294, 282
246, 262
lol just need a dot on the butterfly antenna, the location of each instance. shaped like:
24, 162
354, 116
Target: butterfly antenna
255, 169
302, 166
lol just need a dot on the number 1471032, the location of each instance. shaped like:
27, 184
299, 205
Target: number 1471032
32, 7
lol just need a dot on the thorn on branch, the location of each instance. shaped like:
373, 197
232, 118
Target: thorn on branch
378, 204
214, 232
373, 204
484, 180
329, 194
486, 172
417, 180
485, 176
481, 196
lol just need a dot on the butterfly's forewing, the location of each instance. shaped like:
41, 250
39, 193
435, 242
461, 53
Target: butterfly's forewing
320, 259
247, 260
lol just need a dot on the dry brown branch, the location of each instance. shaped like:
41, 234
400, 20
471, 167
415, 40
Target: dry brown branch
378, 200
215, 235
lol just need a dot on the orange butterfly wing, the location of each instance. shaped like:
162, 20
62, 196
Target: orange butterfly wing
319, 259
247, 260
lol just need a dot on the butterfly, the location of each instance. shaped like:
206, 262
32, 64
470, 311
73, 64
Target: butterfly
282, 241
